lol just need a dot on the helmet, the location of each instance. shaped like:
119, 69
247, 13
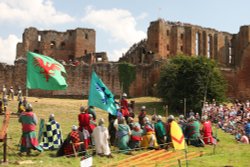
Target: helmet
143, 107
124, 95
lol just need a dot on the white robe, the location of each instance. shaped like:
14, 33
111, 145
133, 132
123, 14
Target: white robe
101, 136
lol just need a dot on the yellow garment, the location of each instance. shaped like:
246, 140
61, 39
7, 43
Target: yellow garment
177, 136
149, 140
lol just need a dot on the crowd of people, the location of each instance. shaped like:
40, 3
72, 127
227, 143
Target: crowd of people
234, 119
126, 133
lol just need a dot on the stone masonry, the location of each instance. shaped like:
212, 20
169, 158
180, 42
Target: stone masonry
76, 48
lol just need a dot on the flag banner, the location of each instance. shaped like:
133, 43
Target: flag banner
45, 73
177, 136
100, 96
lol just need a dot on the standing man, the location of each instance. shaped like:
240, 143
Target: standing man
29, 141
11, 93
19, 95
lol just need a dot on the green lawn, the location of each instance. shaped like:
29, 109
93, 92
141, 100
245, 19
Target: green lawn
228, 152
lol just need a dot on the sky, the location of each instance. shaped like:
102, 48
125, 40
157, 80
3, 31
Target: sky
118, 23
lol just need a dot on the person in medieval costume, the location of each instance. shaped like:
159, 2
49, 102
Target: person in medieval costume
112, 129
100, 136
149, 139
207, 130
11, 93
124, 106
4, 91
5, 102
193, 131
73, 144
170, 119
52, 135
19, 95
1, 107
160, 131
29, 141
122, 135
136, 136
142, 115
84, 125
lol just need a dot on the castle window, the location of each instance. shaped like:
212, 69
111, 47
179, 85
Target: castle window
197, 43
182, 36
39, 38
99, 59
36, 51
156, 45
181, 48
230, 54
85, 51
209, 39
168, 47
86, 36
167, 32
52, 44
62, 45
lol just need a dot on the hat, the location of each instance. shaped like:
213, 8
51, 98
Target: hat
170, 117
146, 119
82, 108
192, 118
124, 95
51, 116
159, 117
101, 121
181, 117
143, 107
74, 127
29, 107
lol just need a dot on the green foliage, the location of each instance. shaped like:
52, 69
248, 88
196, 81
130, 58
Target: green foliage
127, 75
192, 78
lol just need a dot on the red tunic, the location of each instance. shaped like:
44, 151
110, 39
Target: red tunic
84, 122
124, 107
207, 130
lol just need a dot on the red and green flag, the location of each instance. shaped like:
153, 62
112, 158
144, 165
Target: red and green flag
45, 73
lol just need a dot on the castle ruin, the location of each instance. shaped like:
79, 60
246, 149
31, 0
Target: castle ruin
76, 49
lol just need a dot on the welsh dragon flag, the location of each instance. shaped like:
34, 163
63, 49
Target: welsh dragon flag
100, 96
44, 73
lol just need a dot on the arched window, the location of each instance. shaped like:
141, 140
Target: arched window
62, 45
197, 44
52, 44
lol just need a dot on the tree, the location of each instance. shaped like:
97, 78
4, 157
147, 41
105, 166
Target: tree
193, 78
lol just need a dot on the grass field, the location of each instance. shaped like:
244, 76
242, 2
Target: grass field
227, 152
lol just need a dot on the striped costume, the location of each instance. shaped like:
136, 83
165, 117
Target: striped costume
29, 140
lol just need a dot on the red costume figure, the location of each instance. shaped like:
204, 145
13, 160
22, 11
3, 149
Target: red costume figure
84, 120
124, 106
207, 131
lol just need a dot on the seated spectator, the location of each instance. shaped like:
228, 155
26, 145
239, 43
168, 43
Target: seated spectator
73, 144
149, 139
193, 130
136, 136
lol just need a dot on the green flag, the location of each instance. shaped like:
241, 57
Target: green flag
100, 96
44, 73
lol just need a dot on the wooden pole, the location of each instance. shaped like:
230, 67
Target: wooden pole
5, 149
185, 107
